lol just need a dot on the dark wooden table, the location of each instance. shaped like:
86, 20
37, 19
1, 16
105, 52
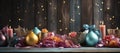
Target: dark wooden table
82, 49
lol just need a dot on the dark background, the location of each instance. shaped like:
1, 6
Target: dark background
61, 16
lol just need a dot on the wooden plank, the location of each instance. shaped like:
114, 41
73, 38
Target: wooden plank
82, 49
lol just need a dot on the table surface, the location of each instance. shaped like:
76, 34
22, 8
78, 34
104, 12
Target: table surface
82, 49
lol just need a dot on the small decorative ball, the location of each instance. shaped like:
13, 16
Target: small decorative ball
44, 30
31, 39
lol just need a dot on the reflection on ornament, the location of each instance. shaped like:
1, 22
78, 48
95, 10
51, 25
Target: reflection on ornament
91, 39
31, 38
37, 32
2, 39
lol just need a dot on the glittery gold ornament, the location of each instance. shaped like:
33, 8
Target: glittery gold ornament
31, 38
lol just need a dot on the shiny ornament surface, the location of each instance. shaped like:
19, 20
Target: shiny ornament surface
113, 43
91, 38
2, 39
86, 26
37, 32
31, 38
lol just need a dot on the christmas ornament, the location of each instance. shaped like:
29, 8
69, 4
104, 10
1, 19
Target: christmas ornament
44, 30
2, 38
31, 38
110, 41
93, 36
37, 32
86, 26
113, 43
4, 30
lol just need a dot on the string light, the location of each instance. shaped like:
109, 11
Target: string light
41, 6
39, 24
19, 19
110, 19
66, 28
78, 13
43, 9
60, 21
55, 8
102, 2
64, 2
9, 20
97, 4
33, 5
78, 6
98, 11
45, 18
113, 17
60, 29
50, 3
72, 20
108, 8
117, 28
25, 11
38, 12
101, 9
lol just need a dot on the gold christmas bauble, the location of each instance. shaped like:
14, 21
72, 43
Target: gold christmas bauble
31, 38
39, 36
